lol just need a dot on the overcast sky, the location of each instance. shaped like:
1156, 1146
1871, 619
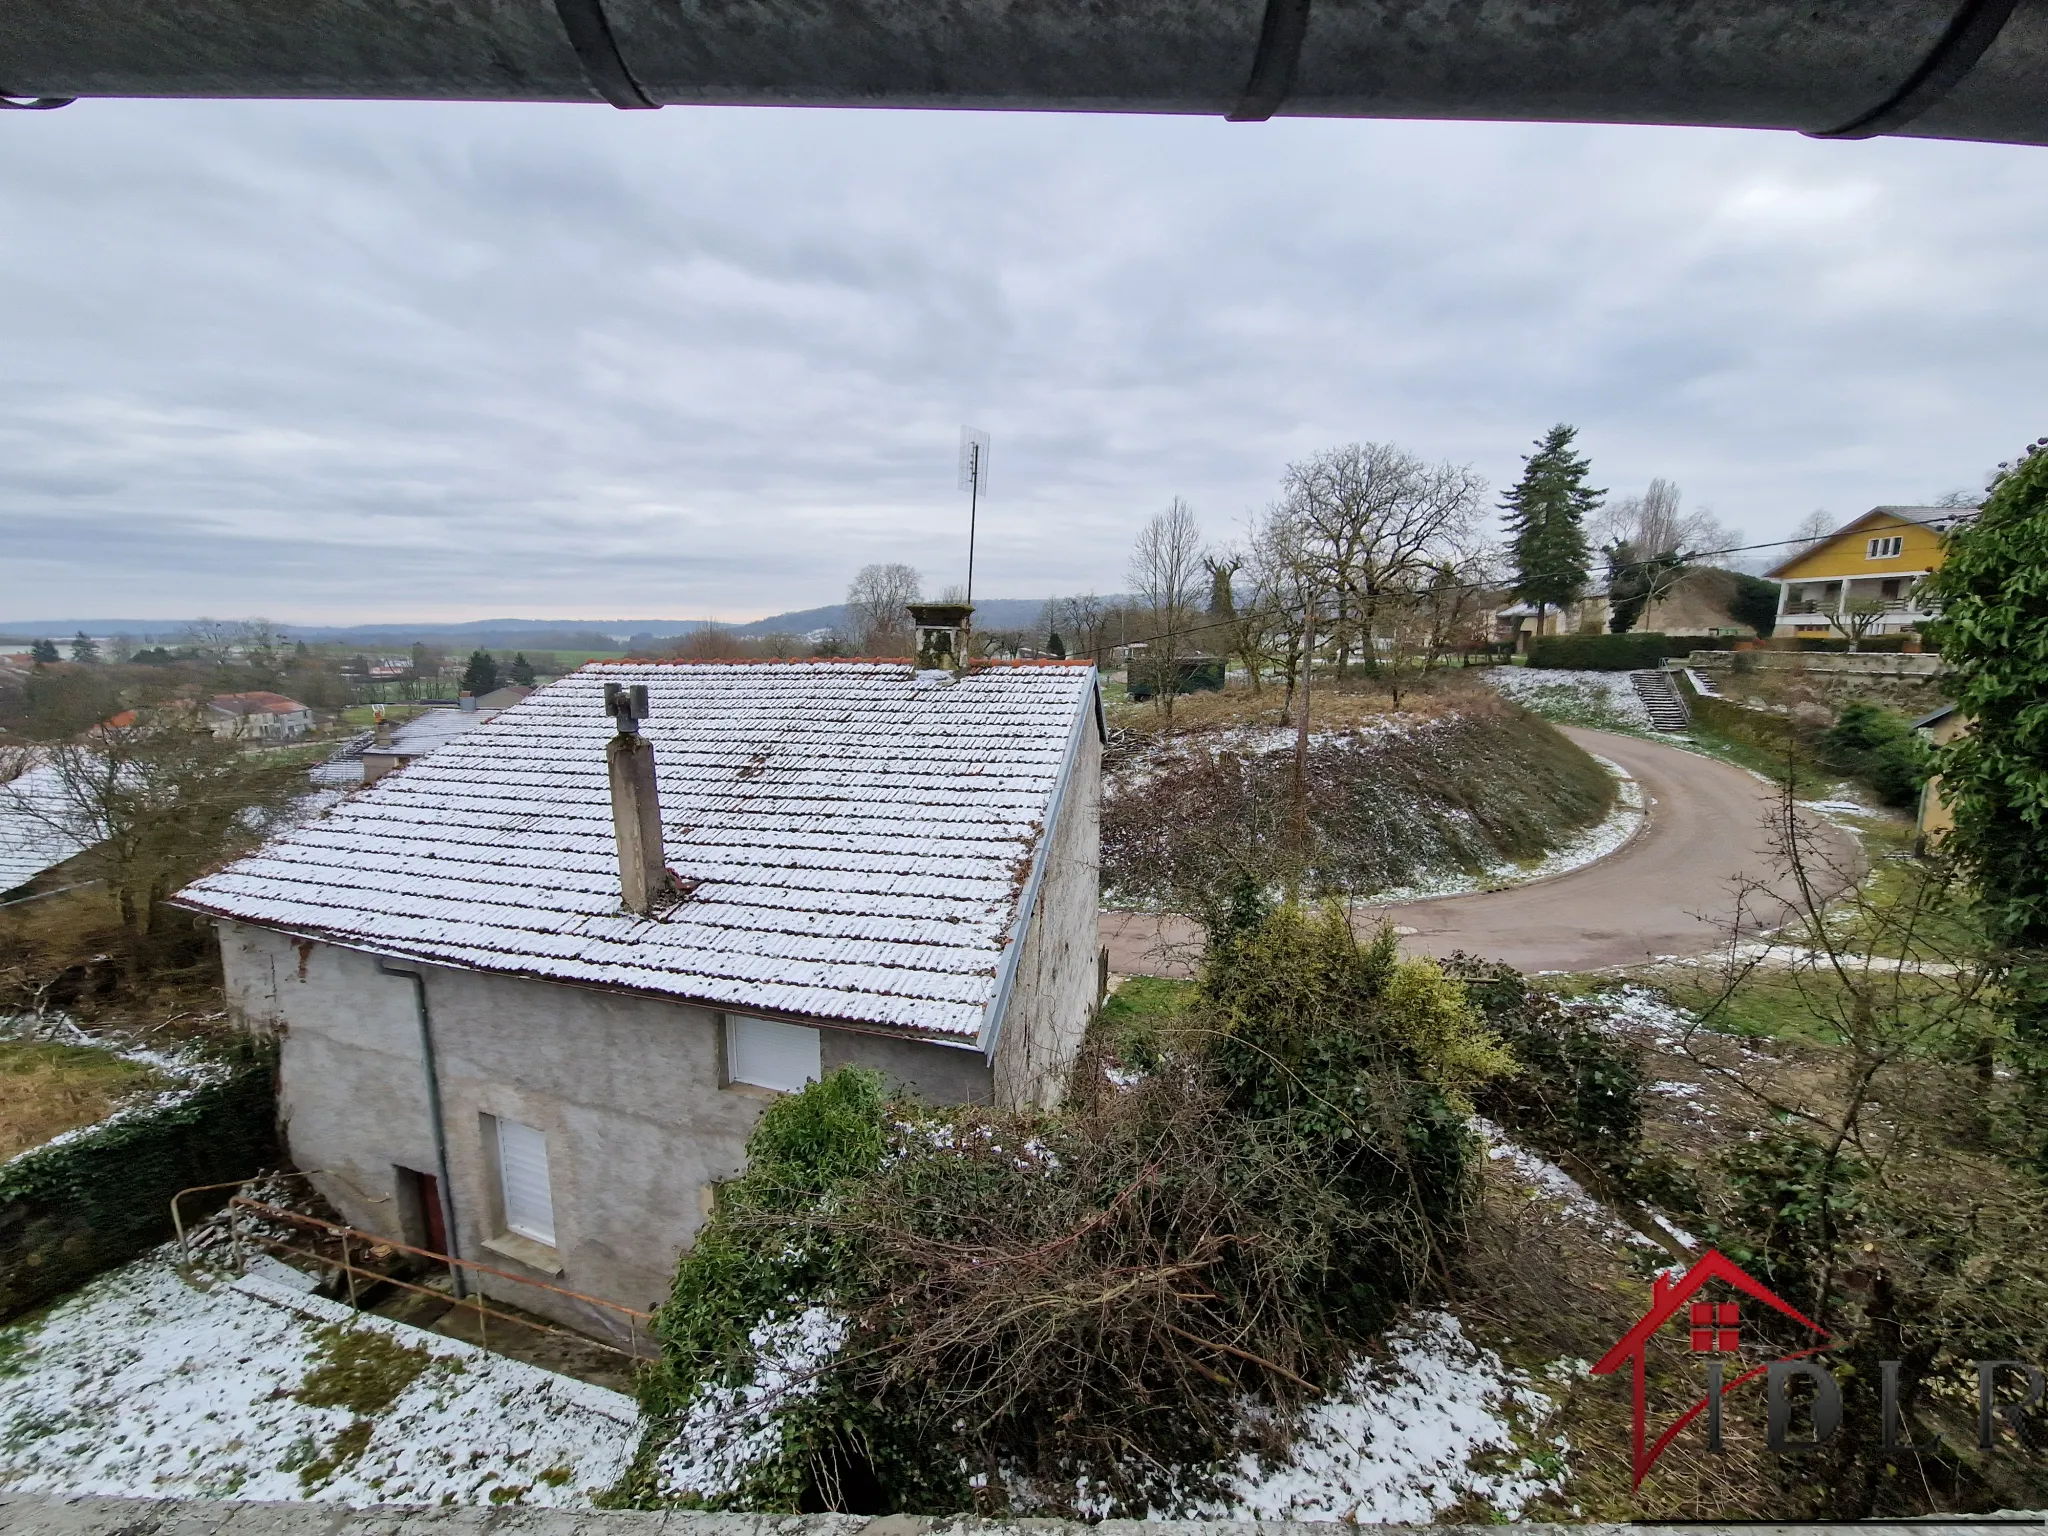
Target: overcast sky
354, 362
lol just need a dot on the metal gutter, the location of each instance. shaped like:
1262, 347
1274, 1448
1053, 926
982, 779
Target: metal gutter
1013, 951
1950, 69
431, 1071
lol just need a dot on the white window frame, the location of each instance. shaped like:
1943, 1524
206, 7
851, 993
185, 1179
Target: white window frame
766, 1053
517, 1148
1885, 546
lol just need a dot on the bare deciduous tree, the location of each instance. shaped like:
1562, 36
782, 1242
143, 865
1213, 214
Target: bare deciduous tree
1166, 576
877, 600
1652, 544
1375, 519
1280, 572
1812, 529
156, 798
1085, 622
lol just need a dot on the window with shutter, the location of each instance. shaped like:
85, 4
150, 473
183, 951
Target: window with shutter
523, 1169
766, 1054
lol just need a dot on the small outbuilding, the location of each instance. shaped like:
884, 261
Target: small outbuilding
533, 992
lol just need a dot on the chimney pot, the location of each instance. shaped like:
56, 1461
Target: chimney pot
942, 635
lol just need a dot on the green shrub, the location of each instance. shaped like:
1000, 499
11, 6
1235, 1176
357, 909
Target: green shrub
1196, 674
1603, 653
1754, 602
101, 1197
1579, 1091
1879, 748
1993, 589
1093, 1292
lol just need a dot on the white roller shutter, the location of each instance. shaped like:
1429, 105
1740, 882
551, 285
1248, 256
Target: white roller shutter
771, 1055
523, 1166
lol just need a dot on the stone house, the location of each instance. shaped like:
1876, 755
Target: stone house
258, 716
1696, 603
533, 991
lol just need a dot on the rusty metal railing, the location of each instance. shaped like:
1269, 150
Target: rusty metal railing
351, 1243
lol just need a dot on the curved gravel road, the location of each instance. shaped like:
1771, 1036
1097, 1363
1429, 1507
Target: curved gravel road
1669, 891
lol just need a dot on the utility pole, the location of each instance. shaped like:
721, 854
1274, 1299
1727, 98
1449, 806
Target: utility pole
1308, 670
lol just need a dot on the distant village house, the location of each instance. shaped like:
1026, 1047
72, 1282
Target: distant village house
258, 717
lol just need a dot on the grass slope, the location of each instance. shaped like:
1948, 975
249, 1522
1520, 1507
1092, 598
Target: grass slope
1393, 799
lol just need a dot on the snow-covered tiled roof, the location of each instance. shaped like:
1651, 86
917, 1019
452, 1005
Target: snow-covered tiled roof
863, 834
39, 826
436, 728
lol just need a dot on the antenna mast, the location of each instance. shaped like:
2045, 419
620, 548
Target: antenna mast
973, 472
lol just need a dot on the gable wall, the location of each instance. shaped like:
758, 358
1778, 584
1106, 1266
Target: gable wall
1055, 991
1842, 555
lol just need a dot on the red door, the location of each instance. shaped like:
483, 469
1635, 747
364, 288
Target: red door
432, 1213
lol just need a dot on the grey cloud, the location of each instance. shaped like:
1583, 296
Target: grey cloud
379, 361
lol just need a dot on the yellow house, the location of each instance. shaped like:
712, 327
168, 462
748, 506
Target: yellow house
1878, 559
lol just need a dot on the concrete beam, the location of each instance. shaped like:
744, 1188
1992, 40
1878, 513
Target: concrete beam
1958, 69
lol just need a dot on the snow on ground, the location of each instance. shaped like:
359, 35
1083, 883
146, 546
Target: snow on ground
1573, 696
1549, 1182
1438, 1421
729, 1430
145, 1383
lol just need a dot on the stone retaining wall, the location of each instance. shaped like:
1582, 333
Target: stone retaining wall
1840, 663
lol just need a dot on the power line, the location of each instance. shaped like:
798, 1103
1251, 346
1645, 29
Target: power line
1941, 524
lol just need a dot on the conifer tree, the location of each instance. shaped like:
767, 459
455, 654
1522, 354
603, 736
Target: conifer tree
521, 670
481, 675
84, 647
1546, 520
44, 650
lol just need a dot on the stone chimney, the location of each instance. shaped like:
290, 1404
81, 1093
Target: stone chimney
466, 701
644, 879
943, 633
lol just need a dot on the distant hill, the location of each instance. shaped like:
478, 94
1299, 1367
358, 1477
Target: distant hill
989, 613
515, 634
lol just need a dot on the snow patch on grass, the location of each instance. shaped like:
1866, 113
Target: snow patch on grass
728, 1431
1569, 696
149, 1384
1439, 1421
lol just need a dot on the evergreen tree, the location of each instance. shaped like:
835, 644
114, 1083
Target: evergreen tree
521, 670
83, 647
481, 675
1992, 591
1055, 646
1546, 519
44, 650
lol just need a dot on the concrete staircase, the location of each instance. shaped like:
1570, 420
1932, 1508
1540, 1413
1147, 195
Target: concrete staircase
1663, 700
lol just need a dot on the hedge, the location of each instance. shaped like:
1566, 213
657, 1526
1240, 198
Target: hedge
100, 1198
1604, 653
1197, 674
